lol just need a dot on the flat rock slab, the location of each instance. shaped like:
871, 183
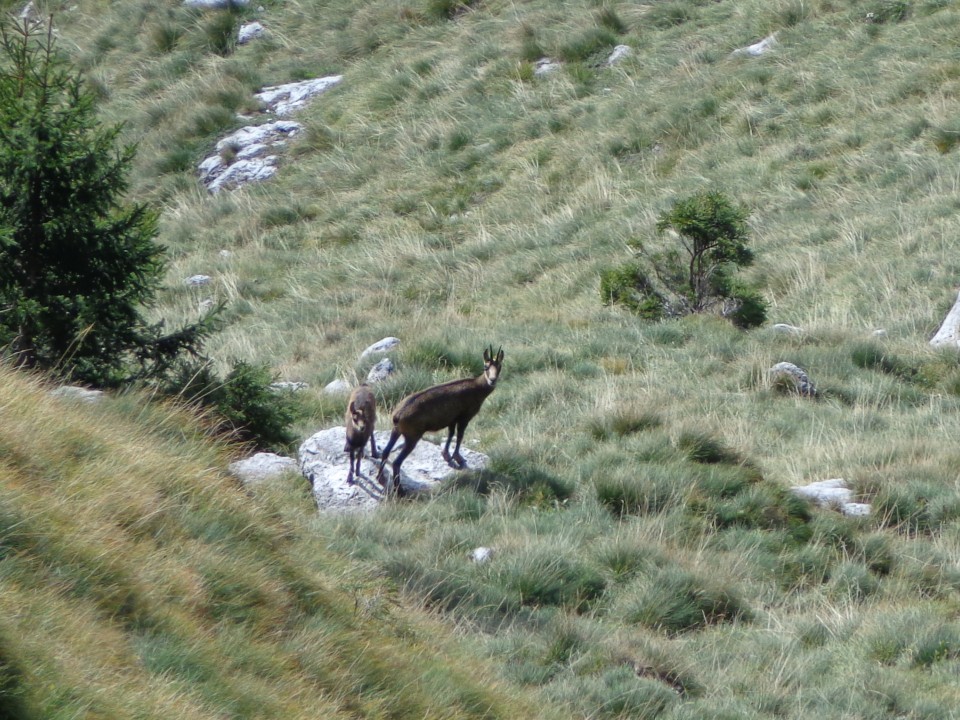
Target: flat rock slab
324, 463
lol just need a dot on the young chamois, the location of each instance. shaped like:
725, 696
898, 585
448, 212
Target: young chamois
361, 418
450, 405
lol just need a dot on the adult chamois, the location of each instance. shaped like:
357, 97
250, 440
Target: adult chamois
361, 419
450, 405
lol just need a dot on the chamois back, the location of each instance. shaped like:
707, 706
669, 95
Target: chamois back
450, 405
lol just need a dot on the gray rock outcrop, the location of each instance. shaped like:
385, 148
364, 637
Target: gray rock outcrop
380, 347
381, 371
261, 467
833, 494
324, 463
758, 48
949, 333
795, 375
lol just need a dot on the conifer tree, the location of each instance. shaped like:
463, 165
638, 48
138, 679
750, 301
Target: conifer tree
78, 262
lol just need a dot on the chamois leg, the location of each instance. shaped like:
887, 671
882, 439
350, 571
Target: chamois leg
386, 454
373, 448
408, 446
446, 448
461, 429
358, 454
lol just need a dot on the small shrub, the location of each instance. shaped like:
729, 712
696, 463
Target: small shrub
677, 601
245, 406
447, 9
916, 506
628, 285
852, 581
221, 32
750, 308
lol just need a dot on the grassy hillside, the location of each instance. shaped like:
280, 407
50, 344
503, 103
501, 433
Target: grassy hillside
649, 560
137, 580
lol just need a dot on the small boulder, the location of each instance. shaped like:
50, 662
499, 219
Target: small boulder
261, 467
795, 375
620, 52
380, 347
197, 281
949, 333
337, 387
545, 66
758, 48
381, 371
324, 463
481, 555
786, 329
250, 31
286, 99
77, 393
834, 494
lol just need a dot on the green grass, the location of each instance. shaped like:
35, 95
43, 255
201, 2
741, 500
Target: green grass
637, 500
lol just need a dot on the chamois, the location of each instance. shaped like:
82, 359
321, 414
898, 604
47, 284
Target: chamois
450, 405
361, 418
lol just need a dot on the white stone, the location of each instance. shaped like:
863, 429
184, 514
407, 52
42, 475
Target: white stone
949, 333
545, 66
287, 98
835, 494
325, 464
619, 53
481, 555
337, 387
797, 375
289, 386
758, 48
380, 347
260, 467
198, 280
788, 329
81, 394
215, 4
381, 371
250, 31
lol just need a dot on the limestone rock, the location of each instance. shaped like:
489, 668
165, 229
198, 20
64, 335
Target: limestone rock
758, 48
250, 31
545, 66
381, 371
261, 467
949, 333
81, 394
324, 463
337, 387
833, 494
796, 375
197, 280
380, 347
619, 53
287, 98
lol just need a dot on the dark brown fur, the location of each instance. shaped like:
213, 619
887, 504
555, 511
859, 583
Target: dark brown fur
361, 419
450, 405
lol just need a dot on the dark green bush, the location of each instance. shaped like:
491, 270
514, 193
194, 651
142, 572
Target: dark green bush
628, 285
593, 44
245, 407
750, 310
702, 448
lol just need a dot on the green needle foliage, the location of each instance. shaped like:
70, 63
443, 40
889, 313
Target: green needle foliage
77, 263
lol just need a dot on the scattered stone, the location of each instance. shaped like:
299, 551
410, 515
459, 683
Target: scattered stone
205, 305
80, 394
796, 375
833, 494
380, 347
198, 281
261, 467
381, 371
289, 386
215, 4
949, 333
324, 463
285, 99
619, 53
337, 387
758, 48
250, 31
880, 332
545, 66
226, 254
245, 155
481, 555
788, 329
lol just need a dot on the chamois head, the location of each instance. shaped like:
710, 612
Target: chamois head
492, 365
359, 417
